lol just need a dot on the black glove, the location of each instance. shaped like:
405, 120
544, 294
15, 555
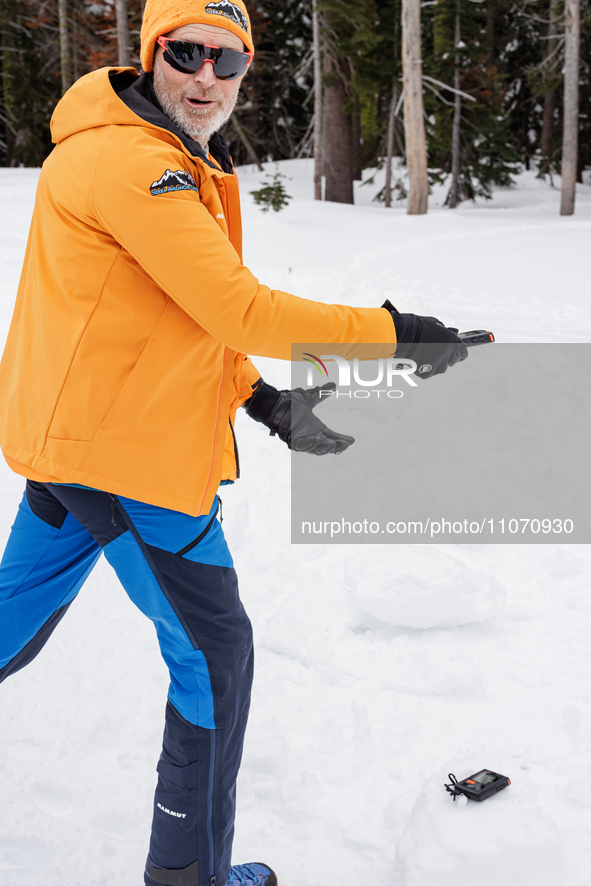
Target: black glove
289, 415
414, 332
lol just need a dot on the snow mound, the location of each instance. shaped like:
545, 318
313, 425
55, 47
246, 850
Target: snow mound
420, 587
506, 839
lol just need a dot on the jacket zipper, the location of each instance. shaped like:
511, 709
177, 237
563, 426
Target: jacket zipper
209, 822
226, 208
236, 456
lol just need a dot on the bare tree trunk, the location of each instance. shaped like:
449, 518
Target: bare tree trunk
318, 150
580, 168
356, 153
570, 133
337, 136
546, 141
9, 75
490, 28
392, 128
414, 123
390, 146
124, 60
75, 59
454, 193
549, 94
247, 143
548, 121
62, 9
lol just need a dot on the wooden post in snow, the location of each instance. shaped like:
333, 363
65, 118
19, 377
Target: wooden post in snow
414, 122
570, 131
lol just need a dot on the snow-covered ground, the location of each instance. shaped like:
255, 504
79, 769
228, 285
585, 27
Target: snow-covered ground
379, 670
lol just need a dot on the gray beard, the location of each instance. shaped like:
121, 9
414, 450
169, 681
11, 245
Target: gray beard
186, 118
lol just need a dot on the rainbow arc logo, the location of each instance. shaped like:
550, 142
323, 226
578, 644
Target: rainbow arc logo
317, 363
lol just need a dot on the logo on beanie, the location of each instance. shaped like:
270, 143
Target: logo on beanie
228, 10
173, 181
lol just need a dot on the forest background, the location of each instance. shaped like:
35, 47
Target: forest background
492, 84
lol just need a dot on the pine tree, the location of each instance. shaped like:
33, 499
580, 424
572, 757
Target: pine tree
488, 154
35, 67
30, 79
344, 34
502, 62
272, 194
275, 106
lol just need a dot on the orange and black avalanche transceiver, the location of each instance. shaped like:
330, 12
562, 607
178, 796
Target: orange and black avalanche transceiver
479, 786
476, 337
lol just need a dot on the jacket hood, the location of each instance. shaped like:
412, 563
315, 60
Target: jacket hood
92, 101
121, 96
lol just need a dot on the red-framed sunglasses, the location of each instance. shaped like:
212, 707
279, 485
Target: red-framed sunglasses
189, 57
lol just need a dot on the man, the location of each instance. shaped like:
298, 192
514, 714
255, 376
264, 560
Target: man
124, 366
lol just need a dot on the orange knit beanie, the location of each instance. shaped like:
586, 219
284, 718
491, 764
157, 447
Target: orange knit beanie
162, 16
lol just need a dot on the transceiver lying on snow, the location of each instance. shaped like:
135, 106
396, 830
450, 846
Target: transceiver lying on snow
479, 786
476, 337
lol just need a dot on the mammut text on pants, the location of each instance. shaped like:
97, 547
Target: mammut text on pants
178, 571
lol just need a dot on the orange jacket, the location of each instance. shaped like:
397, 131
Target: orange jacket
124, 363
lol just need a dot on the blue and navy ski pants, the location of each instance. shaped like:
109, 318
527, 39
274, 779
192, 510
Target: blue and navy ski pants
178, 571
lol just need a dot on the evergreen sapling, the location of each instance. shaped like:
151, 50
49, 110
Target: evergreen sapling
272, 195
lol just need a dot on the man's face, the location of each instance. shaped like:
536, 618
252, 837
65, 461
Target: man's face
198, 103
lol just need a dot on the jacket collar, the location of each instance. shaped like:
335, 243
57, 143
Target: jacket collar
139, 96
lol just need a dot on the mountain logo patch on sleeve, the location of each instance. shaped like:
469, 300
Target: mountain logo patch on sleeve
173, 181
228, 10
